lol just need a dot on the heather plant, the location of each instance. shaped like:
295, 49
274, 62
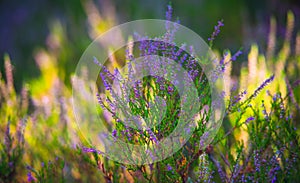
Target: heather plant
49, 172
44, 115
187, 163
261, 120
181, 163
13, 115
271, 146
11, 153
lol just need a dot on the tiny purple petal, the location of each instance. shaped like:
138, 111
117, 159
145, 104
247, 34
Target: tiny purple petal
169, 168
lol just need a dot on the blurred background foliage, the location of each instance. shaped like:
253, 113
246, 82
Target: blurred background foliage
67, 27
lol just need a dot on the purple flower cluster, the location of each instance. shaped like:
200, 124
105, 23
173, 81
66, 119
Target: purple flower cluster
114, 133
237, 54
221, 172
104, 69
216, 30
152, 136
105, 82
91, 150
238, 98
137, 93
30, 178
169, 13
282, 110
262, 86
257, 161
8, 138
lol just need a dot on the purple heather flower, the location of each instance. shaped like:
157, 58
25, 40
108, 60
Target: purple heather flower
20, 130
86, 149
274, 179
222, 64
220, 23
222, 174
170, 89
275, 97
162, 86
169, 13
274, 170
136, 90
187, 130
114, 133
183, 58
243, 178
130, 71
11, 164
30, 178
216, 30
178, 53
257, 161
104, 70
234, 88
151, 166
264, 111
239, 97
128, 55
105, 82
191, 50
117, 74
97, 62
28, 167
236, 171
148, 152
249, 119
152, 136
7, 139
264, 84
100, 101
282, 110
169, 167
237, 54
111, 105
